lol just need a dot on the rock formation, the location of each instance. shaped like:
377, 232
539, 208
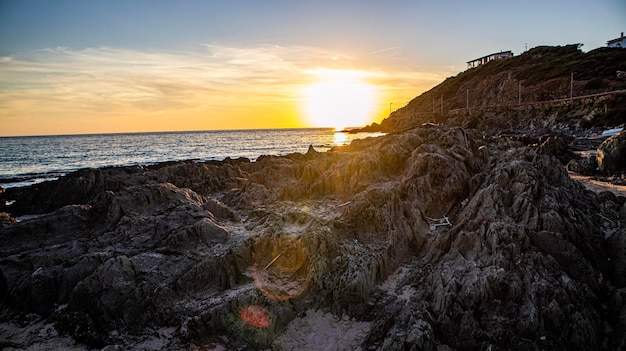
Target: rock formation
512, 93
612, 154
432, 238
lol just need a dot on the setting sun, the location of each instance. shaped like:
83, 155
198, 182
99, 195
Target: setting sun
340, 99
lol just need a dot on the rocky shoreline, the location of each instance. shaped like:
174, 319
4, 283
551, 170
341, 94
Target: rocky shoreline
433, 238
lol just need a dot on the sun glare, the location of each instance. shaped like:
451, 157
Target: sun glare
339, 99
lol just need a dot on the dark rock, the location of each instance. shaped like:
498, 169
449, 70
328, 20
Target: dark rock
612, 154
311, 152
49, 196
112, 294
584, 166
438, 237
81, 327
557, 147
617, 243
6, 219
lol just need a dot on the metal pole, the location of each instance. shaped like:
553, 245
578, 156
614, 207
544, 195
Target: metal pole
519, 94
571, 88
442, 104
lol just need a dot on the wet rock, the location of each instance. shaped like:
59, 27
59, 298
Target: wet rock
612, 154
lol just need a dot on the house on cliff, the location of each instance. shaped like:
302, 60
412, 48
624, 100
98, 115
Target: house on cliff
491, 57
618, 42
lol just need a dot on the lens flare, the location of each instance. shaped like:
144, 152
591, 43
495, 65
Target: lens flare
256, 316
280, 270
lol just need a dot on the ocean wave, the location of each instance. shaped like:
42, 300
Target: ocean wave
30, 160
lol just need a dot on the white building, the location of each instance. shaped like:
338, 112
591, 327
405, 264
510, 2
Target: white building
491, 57
618, 42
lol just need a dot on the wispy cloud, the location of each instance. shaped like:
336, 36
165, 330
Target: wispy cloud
100, 82
385, 50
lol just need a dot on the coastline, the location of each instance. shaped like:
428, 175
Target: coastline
233, 253
31, 160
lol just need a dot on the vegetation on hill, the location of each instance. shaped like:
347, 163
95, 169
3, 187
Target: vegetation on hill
543, 73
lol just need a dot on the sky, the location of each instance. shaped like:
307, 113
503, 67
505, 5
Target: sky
82, 66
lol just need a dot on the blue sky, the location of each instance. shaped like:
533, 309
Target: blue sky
451, 31
55, 53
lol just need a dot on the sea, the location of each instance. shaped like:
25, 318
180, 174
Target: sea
29, 160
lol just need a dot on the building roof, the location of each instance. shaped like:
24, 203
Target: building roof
616, 40
508, 52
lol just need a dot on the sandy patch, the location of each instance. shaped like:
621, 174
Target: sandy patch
598, 186
322, 331
39, 336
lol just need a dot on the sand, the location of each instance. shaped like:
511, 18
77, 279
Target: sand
318, 330
599, 186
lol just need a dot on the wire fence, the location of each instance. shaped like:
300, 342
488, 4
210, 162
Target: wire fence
519, 105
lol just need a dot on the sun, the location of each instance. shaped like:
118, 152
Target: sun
339, 99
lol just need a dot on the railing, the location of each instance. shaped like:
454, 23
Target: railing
515, 105
542, 103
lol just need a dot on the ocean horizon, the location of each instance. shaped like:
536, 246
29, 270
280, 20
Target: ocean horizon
177, 131
27, 160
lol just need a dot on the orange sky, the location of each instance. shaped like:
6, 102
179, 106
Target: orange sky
75, 66
106, 90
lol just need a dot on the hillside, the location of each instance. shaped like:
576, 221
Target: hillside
543, 73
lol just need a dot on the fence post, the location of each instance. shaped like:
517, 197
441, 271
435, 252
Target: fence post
442, 104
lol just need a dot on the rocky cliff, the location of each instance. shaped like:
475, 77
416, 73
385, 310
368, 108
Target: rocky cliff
433, 238
509, 93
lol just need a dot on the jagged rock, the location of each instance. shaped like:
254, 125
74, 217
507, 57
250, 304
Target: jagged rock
612, 154
557, 147
311, 152
49, 196
617, 243
6, 219
586, 166
81, 327
111, 293
439, 238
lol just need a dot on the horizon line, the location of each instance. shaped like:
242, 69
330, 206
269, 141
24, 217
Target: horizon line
165, 132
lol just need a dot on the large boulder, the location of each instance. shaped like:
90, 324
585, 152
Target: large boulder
612, 154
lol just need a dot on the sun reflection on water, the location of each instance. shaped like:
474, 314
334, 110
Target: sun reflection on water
340, 138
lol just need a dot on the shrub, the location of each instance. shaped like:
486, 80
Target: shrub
596, 83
